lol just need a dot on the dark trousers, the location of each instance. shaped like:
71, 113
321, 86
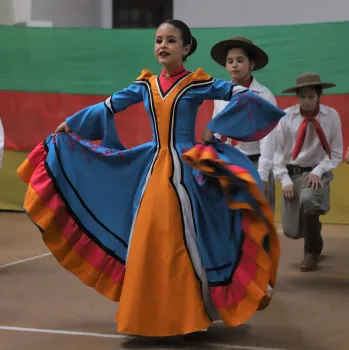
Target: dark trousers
313, 242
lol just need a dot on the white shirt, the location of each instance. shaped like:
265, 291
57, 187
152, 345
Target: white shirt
265, 147
312, 154
2, 142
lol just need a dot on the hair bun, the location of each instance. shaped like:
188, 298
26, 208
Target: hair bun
194, 45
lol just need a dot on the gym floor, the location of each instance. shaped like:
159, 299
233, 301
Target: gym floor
44, 306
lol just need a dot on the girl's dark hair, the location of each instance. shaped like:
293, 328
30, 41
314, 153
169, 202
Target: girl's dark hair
187, 38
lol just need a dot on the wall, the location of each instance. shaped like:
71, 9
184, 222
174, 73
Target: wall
72, 13
59, 13
197, 13
6, 12
71, 68
234, 13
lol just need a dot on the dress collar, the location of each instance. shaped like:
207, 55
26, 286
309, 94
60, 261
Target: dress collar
174, 72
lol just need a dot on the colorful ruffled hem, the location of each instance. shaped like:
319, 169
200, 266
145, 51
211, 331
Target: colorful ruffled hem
248, 288
62, 233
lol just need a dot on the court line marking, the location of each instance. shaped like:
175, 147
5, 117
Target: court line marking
62, 332
117, 336
25, 260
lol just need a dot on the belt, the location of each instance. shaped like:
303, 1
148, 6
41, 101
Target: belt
254, 157
298, 170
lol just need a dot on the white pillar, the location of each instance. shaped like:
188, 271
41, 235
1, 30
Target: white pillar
6, 13
106, 14
22, 11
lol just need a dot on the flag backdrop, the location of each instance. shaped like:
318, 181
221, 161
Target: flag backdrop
47, 74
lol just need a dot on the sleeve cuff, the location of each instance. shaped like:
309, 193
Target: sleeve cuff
264, 168
286, 181
264, 174
317, 171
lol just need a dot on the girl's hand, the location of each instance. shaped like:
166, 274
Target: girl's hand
207, 135
62, 128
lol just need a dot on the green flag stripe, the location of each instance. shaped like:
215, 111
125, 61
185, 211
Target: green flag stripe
99, 61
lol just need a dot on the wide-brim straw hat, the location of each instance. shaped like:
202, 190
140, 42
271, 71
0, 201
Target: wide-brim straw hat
220, 50
309, 79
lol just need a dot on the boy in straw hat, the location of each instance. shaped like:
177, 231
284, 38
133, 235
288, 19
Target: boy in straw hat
240, 57
309, 145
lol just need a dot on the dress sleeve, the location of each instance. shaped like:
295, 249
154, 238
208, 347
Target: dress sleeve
93, 122
247, 117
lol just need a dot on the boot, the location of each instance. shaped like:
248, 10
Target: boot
310, 262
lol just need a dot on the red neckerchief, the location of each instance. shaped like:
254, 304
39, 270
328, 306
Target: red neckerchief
167, 80
248, 82
309, 117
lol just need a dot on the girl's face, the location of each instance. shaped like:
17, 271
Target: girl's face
238, 64
308, 98
169, 49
